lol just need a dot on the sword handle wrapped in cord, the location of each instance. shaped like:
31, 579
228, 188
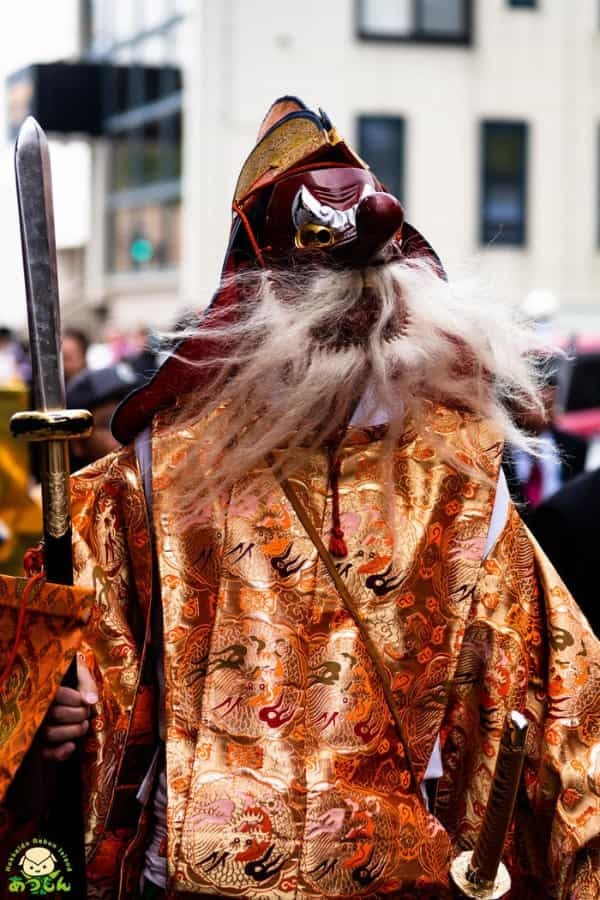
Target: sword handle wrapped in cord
480, 873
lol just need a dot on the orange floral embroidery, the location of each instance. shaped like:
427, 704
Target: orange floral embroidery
240, 755
570, 798
432, 604
491, 566
437, 635
190, 609
402, 682
491, 600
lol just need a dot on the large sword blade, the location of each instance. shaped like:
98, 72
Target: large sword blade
34, 192
51, 425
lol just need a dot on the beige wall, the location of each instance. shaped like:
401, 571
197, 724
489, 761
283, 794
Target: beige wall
540, 65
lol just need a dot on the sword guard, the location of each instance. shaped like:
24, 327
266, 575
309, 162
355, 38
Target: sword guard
52, 424
466, 879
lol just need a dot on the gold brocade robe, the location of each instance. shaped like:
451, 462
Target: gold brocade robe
286, 777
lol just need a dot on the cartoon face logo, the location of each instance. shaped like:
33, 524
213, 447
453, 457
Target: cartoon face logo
37, 861
38, 868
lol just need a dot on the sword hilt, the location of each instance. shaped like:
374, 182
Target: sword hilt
52, 424
51, 429
481, 873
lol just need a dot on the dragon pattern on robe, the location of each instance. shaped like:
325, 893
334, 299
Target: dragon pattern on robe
285, 775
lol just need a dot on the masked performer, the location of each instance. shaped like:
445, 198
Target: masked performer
338, 390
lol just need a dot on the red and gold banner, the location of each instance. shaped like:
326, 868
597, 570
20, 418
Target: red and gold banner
41, 626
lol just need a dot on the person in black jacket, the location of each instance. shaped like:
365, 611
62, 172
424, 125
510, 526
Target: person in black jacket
532, 480
567, 525
565, 460
100, 391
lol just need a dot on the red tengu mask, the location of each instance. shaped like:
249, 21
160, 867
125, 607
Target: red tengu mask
342, 211
303, 195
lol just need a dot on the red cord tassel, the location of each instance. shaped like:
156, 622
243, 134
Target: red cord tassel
337, 544
33, 561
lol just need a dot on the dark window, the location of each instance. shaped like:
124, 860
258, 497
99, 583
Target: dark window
110, 24
524, 4
444, 21
504, 182
147, 154
381, 145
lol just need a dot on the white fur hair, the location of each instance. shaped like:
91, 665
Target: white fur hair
311, 343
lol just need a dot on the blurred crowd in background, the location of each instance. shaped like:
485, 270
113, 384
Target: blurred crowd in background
98, 375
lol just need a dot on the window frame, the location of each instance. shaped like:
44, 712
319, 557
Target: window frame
518, 4
417, 36
497, 240
399, 120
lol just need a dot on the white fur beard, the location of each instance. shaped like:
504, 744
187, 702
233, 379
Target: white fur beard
312, 344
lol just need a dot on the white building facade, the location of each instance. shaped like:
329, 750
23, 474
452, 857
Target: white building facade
483, 115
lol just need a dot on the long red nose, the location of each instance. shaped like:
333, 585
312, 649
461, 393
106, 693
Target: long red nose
379, 218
